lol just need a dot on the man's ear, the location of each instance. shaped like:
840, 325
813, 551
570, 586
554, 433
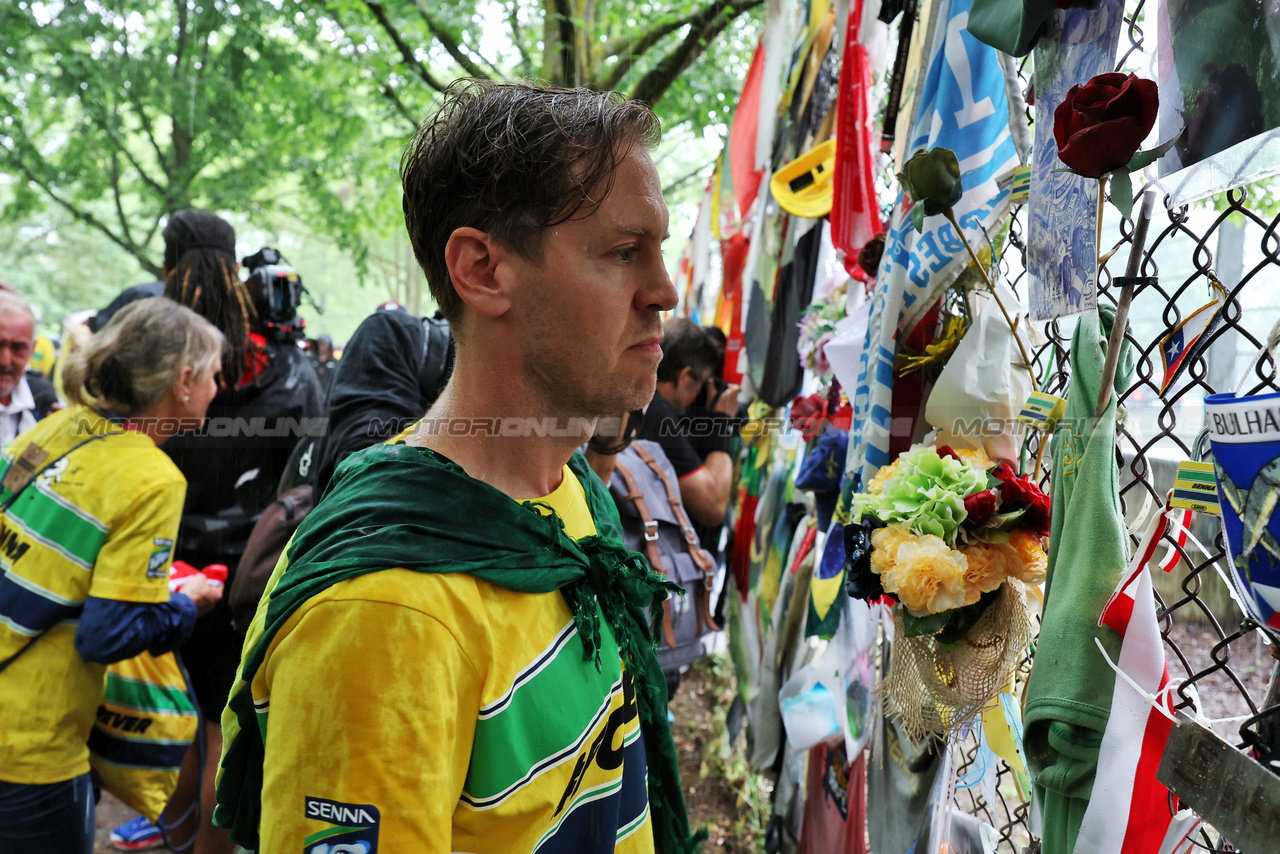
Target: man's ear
473, 257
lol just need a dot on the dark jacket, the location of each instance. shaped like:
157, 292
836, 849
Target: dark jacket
128, 295
391, 371
42, 391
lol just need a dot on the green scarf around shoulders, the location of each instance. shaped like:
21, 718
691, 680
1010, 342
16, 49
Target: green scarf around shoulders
363, 525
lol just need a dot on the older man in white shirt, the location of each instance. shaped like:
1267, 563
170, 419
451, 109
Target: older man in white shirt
18, 409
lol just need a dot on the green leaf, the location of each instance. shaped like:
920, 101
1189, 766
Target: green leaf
1145, 158
1007, 521
927, 625
1122, 192
917, 216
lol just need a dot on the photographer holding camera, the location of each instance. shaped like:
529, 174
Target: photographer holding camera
697, 442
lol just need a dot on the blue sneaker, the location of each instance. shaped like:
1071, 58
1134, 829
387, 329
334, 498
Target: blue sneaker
137, 835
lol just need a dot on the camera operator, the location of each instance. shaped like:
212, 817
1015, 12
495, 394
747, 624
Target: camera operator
699, 449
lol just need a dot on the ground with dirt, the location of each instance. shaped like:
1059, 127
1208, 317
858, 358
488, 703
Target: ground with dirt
721, 794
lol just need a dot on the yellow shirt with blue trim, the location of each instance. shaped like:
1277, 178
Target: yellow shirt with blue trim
410, 711
99, 522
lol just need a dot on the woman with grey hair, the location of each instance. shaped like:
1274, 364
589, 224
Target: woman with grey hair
90, 508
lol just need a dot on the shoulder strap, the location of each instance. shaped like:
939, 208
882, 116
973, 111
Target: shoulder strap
649, 543
701, 558
636, 495
9, 503
437, 344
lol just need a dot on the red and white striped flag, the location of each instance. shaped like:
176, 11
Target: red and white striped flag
1129, 810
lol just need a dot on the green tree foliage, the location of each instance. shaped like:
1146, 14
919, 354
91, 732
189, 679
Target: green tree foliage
640, 47
122, 113
115, 113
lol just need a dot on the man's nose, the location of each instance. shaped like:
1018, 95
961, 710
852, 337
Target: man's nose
659, 291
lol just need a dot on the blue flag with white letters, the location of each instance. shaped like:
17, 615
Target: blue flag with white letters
963, 108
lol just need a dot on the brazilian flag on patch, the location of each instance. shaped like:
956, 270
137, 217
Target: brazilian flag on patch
827, 590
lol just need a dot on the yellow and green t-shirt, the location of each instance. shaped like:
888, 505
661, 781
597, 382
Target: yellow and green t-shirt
415, 711
99, 522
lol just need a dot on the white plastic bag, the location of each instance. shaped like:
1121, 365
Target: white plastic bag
981, 390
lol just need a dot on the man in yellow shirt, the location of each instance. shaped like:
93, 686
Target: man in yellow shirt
452, 653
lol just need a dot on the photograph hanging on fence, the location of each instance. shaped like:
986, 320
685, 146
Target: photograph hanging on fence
1224, 90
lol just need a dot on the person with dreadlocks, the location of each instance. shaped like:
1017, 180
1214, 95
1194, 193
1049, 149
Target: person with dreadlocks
268, 389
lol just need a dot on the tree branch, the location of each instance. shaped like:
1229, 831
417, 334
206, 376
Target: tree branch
182, 40
565, 49
630, 48
143, 118
405, 51
399, 105
120, 146
90, 219
451, 44
633, 52
713, 19
115, 195
681, 181
513, 18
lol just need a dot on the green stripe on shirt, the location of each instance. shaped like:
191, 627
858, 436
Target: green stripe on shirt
145, 696
545, 720
50, 521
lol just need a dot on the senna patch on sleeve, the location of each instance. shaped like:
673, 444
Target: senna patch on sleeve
353, 827
158, 565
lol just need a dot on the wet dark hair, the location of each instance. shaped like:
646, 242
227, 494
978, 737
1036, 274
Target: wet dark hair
200, 254
685, 344
512, 159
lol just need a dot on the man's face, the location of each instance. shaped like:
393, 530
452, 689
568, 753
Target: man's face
588, 315
17, 335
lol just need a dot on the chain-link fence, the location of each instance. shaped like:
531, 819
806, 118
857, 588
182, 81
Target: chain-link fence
1221, 657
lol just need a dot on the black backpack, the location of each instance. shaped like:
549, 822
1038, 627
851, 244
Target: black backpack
391, 371
654, 523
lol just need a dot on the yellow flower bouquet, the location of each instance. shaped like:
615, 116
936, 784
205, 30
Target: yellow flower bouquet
949, 540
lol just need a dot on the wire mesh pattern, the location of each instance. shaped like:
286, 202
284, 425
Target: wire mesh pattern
1222, 658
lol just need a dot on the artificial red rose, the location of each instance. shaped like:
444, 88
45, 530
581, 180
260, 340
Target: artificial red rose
981, 506
1018, 492
1100, 124
945, 451
809, 415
